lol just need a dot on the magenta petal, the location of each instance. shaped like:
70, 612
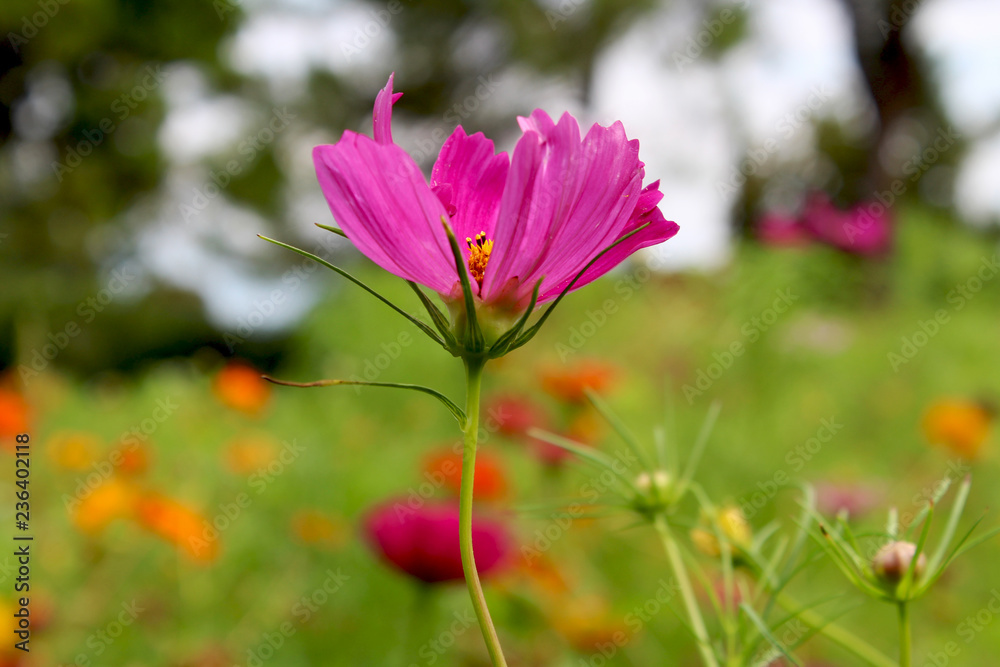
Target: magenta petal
565, 200
382, 113
379, 198
657, 230
469, 179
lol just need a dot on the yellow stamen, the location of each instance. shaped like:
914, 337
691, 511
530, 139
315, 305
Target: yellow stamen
479, 254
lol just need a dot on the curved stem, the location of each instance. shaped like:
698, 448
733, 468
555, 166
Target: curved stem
836, 633
905, 635
474, 377
687, 592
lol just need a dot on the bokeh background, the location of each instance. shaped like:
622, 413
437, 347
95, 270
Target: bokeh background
185, 513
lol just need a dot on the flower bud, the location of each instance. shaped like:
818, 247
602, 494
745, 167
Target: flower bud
733, 526
659, 480
892, 561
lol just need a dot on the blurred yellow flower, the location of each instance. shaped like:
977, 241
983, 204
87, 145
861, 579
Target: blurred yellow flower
247, 454
240, 386
315, 527
73, 450
587, 625
734, 527
114, 499
179, 525
961, 426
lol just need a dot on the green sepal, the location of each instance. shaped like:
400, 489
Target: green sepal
530, 333
440, 321
503, 344
456, 411
474, 342
336, 230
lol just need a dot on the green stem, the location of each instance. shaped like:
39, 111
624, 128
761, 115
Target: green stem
687, 592
474, 377
905, 635
836, 633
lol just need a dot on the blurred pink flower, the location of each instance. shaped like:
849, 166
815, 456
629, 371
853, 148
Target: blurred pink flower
857, 498
781, 230
863, 229
423, 542
547, 210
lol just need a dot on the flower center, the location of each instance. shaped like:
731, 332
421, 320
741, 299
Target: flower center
479, 254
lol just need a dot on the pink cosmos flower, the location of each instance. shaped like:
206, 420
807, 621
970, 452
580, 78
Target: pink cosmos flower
781, 230
542, 213
423, 542
864, 229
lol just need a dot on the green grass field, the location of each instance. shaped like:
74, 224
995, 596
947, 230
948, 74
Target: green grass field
864, 346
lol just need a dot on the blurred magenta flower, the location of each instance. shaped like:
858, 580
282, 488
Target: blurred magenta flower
781, 230
863, 229
423, 542
542, 213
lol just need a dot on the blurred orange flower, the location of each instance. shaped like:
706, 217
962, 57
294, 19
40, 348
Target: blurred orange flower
114, 499
15, 414
543, 574
240, 386
178, 524
247, 454
315, 527
569, 384
490, 482
73, 450
134, 459
961, 426
586, 427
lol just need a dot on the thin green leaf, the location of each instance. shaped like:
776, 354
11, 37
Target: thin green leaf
447, 402
942, 489
530, 333
503, 344
420, 325
892, 524
335, 230
953, 518
699, 445
766, 632
906, 583
619, 427
589, 454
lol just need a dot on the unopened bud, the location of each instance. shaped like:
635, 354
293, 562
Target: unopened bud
659, 480
892, 561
